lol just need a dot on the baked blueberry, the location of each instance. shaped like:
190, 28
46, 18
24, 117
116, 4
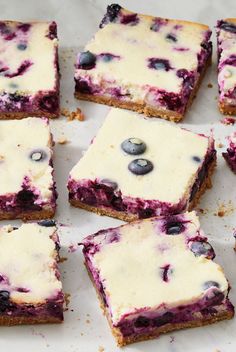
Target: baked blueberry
196, 158
140, 166
133, 146
165, 272
109, 183
157, 23
159, 64
38, 155
229, 27
171, 38
202, 248
87, 60
25, 198
142, 322
4, 300
21, 46
49, 103
209, 284
111, 14
164, 319
47, 223
107, 57
174, 228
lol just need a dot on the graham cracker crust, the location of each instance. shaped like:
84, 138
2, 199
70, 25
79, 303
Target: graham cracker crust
122, 341
148, 110
207, 183
227, 109
11, 321
28, 215
21, 115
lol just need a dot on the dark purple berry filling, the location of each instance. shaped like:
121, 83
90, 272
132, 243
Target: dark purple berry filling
111, 14
49, 103
159, 64
158, 23
227, 26
87, 60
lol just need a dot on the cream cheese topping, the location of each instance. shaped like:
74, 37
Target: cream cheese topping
19, 139
39, 51
27, 263
135, 44
169, 148
130, 268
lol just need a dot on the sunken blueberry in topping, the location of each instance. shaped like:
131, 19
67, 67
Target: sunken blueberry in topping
21, 46
111, 15
229, 27
159, 64
140, 166
174, 228
164, 319
24, 27
4, 300
87, 60
25, 198
157, 23
165, 272
38, 155
49, 103
47, 223
202, 248
107, 57
109, 183
142, 322
171, 38
133, 146
197, 159
209, 284
21, 69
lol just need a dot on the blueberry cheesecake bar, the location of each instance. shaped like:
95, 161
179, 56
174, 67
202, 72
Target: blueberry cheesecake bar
138, 167
30, 286
29, 70
230, 154
143, 63
226, 41
27, 188
156, 275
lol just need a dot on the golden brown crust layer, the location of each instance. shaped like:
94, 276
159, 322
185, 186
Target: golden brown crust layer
142, 107
227, 109
10, 321
132, 217
29, 215
233, 20
21, 115
122, 341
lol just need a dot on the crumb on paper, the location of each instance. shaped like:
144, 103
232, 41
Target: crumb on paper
202, 211
228, 120
87, 321
210, 85
225, 209
73, 115
62, 140
62, 259
1, 157
67, 299
81, 334
101, 349
220, 145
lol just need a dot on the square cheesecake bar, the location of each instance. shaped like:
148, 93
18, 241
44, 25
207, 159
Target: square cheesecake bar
156, 275
226, 42
29, 70
27, 188
143, 63
138, 167
230, 154
30, 286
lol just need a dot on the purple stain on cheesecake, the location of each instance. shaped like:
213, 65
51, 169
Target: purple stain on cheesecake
24, 27
130, 19
22, 289
108, 57
159, 64
165, 272
21, 69
158, 23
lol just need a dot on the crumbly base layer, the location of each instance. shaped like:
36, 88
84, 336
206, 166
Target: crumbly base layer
227, 109
11, 321
28, 215
122, 340
148, 110
20, 115
207, 183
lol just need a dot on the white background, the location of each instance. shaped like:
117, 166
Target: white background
85, 329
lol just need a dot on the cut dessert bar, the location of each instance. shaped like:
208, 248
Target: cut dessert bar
30, 286
157, 275
138, 167
147, 64
230, 154
226, 41
29, 80
27, 188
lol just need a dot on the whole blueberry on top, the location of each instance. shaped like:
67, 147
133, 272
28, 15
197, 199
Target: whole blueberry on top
24, 27
229, 27
87, 60
133, 146
209, 284
171, 38
158, 23
159, 64
174, 228
111, 14
202, 248
140, 166
38, 155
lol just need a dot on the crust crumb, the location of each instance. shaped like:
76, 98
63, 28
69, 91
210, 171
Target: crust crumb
225, 209
101, 349
62, 140
1, 157
73, 115
67, 299
62, 259
220, 145
210, 85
